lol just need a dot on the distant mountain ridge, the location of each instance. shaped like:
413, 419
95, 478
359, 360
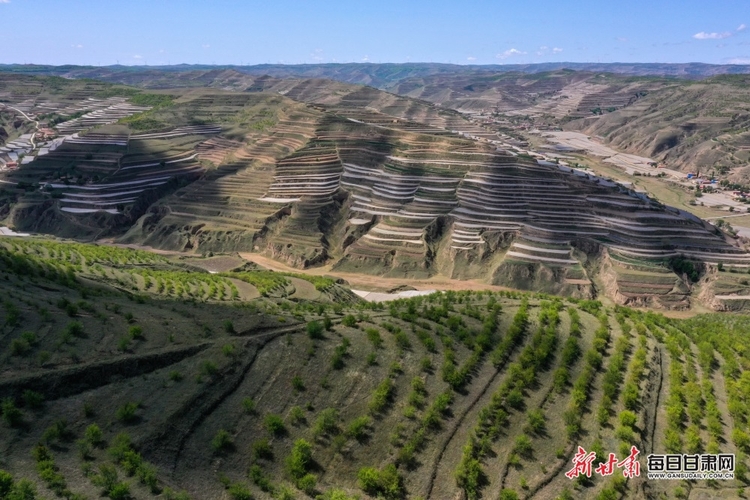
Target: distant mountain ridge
386, 75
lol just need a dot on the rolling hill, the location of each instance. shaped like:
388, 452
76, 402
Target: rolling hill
131, 374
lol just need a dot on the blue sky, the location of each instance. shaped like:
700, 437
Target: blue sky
284, 31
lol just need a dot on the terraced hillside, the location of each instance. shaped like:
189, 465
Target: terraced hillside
97, 176
111, 387
369, 196
358, 179
691, 123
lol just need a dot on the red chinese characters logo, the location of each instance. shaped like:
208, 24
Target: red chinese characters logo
583, 461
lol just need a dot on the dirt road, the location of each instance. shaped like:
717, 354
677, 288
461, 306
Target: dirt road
375, 283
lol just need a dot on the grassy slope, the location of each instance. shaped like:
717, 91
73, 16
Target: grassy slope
193, 375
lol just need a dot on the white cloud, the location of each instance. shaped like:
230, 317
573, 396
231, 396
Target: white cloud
742, 27
557, 50
78, 46
621, 39
471, 58
510, 53
366, 59
205, 45
739, 60
4, 1
543, 47
161, 51
712, 36
137, 56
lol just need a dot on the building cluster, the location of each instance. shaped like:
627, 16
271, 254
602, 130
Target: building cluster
700, 181
45, 134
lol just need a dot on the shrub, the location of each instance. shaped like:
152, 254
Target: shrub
561, 378
741, 439
12, 415
300, 459
75, 329
373, 335
523, 446
369, 480
326, 422
131, 462
628, 418
33, 399
298, 384
536, 421
22, 490
262, 450
315, 330
222, 441
337, 361
515, 399
357, 428
147, 475
71, 309
228, 326
630, 396
275, 425
84, 449
106, 479
120, 446
124, 343
136, 332
248, 404
425, 364
239, 491
336, 494
58, 431
126, 413
260, 479
228, 350
381, 396
469, 476
307, 484
296, 415
349, 320
508, 494
94, 435
624, 434
386, 483
19, 347
208, 368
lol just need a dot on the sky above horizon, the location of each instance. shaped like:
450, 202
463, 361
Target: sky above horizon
239, 32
